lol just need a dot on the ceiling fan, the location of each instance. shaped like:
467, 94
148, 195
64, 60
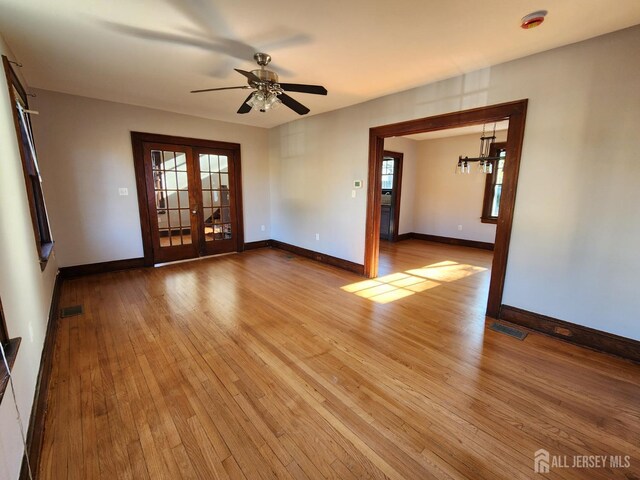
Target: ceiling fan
268, 92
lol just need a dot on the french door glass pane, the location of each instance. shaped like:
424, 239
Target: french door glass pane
224, 163
204, 163
206, 179
215, 180
213, 163
172, 198
182, 182
224, 181
215, 198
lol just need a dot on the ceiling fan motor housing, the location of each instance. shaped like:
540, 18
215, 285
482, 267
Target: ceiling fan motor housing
262, 59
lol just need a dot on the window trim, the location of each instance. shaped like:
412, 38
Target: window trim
489, 185
10, 346
39, 217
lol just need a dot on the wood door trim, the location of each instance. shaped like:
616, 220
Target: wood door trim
516, 113
185, 141
397, 189
138, 139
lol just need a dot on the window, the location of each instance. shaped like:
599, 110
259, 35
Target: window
10, 347
387, 173
21, 117
493, 187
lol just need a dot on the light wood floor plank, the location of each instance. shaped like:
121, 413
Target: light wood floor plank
265, 365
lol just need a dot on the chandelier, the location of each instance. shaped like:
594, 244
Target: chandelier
485, 161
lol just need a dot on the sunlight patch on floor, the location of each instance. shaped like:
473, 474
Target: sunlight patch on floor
395, 286
446, 271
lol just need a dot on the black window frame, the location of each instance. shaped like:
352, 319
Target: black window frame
24, 133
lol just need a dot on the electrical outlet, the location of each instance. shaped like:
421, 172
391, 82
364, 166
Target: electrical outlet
353, 194
460, 227
317, 236
262, 228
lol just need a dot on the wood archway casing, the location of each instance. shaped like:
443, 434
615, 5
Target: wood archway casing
516, 113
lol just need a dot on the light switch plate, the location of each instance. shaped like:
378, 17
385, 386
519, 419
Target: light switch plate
123, 192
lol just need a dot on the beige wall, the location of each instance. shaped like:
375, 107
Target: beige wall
85, 150
443, 200
25, 290
573, 251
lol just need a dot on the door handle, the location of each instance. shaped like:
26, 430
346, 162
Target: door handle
194, 211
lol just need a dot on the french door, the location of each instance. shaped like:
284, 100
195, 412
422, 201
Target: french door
193, 205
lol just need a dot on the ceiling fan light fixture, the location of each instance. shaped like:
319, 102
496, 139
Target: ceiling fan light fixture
263, 101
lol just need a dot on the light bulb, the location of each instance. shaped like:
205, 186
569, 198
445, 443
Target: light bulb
271, 102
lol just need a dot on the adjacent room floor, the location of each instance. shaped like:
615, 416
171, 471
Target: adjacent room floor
268, 365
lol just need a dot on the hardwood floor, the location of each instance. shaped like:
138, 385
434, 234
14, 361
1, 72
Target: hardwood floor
265, 365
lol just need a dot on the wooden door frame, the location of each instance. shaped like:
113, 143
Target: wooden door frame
137, 142
516, 113
397, 189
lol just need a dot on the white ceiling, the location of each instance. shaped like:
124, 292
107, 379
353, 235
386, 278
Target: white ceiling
357, 49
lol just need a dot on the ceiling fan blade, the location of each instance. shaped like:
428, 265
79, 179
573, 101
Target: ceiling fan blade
222, 88
297, 87
226, 46
147, 34
245, 107
293, 104
249, 75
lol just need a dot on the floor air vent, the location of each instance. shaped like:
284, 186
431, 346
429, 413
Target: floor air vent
513, 332
71, 311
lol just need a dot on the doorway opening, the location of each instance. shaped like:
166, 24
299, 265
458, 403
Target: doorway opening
515, 114
391, 178
189, 196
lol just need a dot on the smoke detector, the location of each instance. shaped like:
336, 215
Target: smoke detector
533, 19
